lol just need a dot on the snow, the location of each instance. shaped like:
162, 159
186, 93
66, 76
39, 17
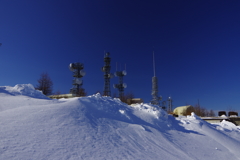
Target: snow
33, 126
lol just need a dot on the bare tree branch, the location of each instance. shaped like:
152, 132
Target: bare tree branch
45, 84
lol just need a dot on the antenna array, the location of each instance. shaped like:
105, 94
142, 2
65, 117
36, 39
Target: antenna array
169, 104
155, 97
78, 73
107, 75
120, 86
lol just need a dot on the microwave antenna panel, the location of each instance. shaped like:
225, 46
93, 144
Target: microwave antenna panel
120, 86
78, 73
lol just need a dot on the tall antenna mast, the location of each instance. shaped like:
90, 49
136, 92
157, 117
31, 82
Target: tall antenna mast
170, 104
154, 65
107, 75
155, 97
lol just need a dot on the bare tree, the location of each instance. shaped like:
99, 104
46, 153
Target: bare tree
203, 112
45, 84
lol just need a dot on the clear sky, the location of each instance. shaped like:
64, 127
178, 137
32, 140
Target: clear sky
196, 45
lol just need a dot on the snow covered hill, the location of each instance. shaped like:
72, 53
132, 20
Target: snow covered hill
33, 126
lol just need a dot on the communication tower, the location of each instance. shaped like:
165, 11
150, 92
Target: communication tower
107, 75
164, 105
78, 73
155, 97
169, 104
120, 86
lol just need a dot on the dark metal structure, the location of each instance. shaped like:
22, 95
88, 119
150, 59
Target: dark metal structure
120, 86
107, 75
78, 73
170, 105
164, 105
155, 97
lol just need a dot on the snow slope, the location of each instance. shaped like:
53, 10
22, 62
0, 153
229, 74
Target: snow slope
95, 127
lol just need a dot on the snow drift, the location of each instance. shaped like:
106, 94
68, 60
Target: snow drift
96, 127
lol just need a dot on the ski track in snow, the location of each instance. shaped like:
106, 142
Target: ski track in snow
33, 126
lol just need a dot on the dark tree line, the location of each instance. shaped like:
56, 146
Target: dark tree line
203, 112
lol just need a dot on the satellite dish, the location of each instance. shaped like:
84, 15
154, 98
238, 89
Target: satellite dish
124, 72
103, 69
110, 75
71, 67
82, 72
78, 81
124, 85
117, 73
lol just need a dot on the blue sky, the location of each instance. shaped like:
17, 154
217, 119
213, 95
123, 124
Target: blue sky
196, 46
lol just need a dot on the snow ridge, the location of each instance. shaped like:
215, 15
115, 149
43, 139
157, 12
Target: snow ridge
23, 89
98, 127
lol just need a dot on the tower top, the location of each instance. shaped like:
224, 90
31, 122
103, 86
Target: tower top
154, 69
107, 54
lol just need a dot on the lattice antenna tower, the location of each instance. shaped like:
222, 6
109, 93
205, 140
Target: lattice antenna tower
155, 97
78, 73
107, 75
120, 86
164, 105
170, 104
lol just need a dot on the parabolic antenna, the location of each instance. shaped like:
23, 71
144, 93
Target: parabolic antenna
124, 85
71, 66
82, 72
78, 73
110, 75
103, 69
124, 72
117, 74
78, 81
